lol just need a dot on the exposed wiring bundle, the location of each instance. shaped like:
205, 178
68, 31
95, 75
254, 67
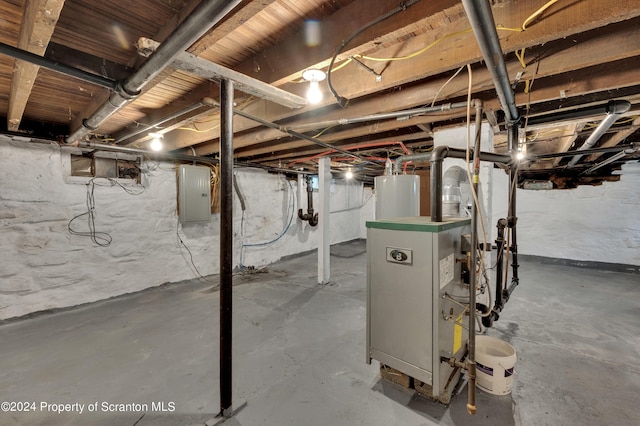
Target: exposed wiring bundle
102, 239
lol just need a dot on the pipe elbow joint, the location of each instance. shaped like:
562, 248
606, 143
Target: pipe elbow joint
439, 153
313, 220
618, 106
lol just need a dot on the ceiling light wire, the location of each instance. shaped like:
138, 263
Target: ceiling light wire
342, 101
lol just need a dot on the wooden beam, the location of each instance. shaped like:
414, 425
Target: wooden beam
566, 141
38, 22
583, 50
546, 88
190, 63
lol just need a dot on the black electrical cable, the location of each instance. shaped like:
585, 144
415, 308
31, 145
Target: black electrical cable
200, 276
102, 239
342, 101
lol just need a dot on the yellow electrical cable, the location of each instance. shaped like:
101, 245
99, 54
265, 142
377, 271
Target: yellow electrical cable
537, 13
503, 28
520, 55
195, 129
344, 64
419, 52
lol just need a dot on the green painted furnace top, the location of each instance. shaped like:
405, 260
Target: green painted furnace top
417, 223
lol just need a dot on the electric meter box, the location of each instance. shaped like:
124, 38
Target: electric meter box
416, 318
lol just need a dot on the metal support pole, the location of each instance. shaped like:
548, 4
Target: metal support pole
226, 244
512, 221
471, 360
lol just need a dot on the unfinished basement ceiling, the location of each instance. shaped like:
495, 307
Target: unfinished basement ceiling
567, 63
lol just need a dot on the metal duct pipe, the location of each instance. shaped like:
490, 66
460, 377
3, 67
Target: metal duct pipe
611, 159
40, 61
382, 116
399, 162
302, 136
614, 110
204, 16
163, 120
484, 28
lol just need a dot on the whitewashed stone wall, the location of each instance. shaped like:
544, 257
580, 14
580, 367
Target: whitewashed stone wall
589, 223
44, 267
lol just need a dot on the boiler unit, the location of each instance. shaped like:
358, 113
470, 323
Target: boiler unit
417, 296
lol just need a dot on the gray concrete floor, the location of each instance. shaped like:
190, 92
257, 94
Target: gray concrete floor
299, 353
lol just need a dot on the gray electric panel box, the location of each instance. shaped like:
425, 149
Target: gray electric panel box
194, 194
412, 273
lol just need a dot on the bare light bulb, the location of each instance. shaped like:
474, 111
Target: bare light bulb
156, 144
314, 76
314, 95
349, 174
520, 155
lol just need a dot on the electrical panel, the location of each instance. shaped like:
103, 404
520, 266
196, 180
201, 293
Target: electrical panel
194, 194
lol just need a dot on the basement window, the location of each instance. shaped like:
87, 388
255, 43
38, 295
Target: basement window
106, 165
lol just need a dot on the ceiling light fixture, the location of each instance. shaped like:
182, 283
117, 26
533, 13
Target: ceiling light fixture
156, 141
314, 76
348, 174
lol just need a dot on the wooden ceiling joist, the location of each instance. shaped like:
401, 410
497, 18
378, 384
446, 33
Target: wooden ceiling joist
38, 23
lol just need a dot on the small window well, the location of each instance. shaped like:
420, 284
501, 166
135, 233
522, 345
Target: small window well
106, 165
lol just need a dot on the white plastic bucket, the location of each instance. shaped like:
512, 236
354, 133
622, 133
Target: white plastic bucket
495, 362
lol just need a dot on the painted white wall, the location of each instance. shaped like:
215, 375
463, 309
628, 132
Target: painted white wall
45, 267
589, 223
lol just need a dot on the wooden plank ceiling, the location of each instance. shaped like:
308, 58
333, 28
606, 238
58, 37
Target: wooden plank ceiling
572, 56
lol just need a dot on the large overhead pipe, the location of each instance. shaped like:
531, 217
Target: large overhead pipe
399, 162
614, 110
403, 114
204, 16
302, 136
613, 158
570, 115
484, 28
147, 127
616, 148
438, 154
43, 62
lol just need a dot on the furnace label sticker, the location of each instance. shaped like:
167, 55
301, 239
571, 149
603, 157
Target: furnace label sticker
446, 270
398, 255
